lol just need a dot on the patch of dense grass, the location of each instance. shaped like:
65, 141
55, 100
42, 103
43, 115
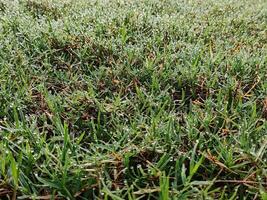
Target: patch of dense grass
157, 99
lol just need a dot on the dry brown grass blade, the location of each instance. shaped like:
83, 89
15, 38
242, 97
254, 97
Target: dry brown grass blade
214, 160
4, 192
264, 111
241, 182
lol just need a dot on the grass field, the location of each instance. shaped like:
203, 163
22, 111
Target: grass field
134, 99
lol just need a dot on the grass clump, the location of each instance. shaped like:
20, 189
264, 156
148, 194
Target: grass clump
133, 99
44, 8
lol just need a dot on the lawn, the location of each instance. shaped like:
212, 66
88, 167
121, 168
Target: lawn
133, 99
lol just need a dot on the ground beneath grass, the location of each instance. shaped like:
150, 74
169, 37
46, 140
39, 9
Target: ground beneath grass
144, 99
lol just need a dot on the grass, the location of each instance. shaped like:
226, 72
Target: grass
158, 99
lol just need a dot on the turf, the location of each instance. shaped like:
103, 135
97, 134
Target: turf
145, 99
